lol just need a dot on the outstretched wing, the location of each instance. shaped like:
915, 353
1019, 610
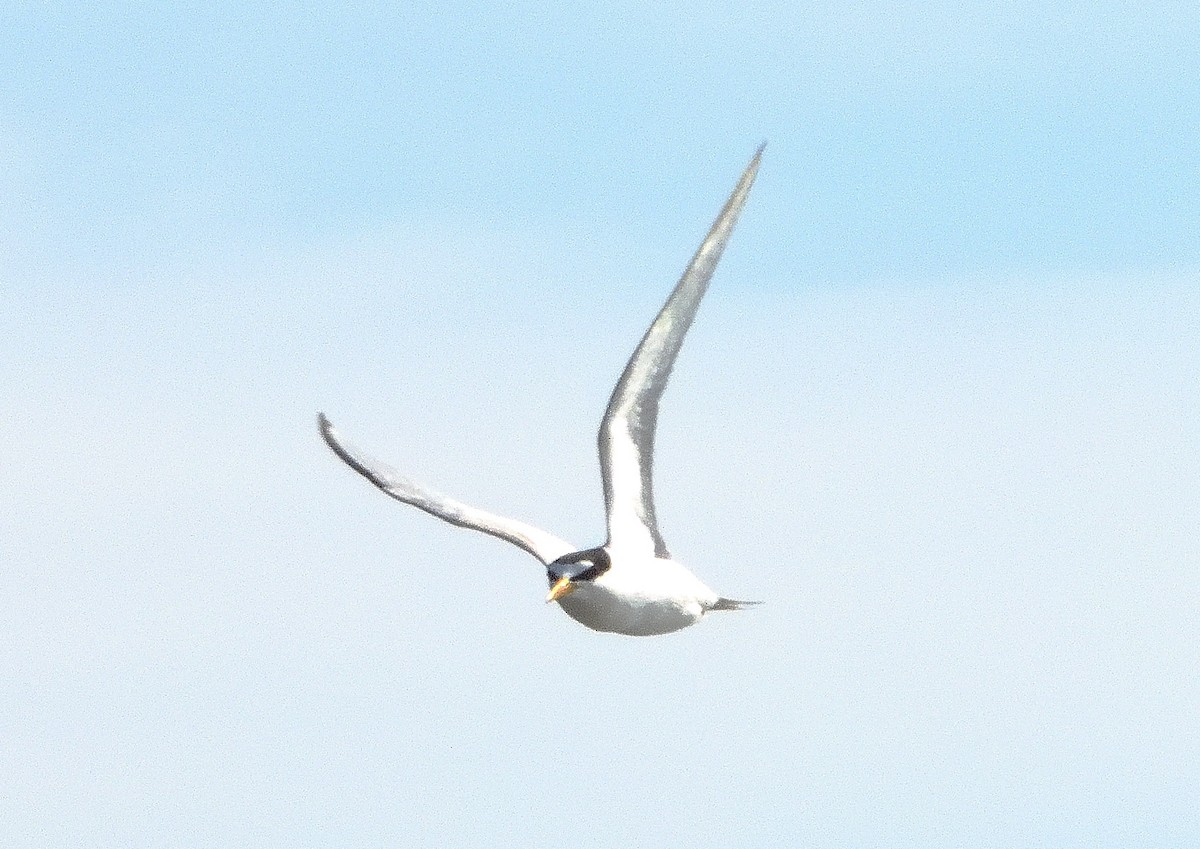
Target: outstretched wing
627, 430
545, 547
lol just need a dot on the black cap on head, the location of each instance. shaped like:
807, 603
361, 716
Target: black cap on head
580, 566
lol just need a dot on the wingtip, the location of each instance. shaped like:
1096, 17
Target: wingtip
325, 428
751, 171
757, 157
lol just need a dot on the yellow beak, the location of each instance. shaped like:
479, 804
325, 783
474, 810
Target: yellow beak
560, 589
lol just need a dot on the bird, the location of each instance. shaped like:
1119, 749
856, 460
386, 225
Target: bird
629, 585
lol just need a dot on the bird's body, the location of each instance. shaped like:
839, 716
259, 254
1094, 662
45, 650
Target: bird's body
630, 585
640, 596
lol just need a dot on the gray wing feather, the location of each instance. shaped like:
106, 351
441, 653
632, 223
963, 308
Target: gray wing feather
626, 438
544, 546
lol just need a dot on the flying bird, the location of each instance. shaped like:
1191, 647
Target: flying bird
630, 585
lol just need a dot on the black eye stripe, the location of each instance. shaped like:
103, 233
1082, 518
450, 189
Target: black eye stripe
598, 561
591, 573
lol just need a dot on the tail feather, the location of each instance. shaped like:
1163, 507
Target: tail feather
732, 604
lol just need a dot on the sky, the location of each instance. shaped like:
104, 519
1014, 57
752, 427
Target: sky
938, 411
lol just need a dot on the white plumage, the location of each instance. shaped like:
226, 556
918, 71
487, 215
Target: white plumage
630, 585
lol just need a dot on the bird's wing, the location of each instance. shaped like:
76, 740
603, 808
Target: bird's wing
544, 546
627, 431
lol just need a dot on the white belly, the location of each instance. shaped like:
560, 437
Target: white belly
640, 599
622, 617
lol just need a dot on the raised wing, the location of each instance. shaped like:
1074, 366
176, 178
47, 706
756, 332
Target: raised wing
627, 430
545, 547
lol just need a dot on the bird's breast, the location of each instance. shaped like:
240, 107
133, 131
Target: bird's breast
657, 596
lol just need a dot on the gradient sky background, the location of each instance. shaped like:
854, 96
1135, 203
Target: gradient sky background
939, 409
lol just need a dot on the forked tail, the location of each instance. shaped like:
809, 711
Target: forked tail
733, 604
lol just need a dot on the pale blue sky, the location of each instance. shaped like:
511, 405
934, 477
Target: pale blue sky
939, 410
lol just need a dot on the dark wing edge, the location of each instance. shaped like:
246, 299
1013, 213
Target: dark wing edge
544, 546
626, 438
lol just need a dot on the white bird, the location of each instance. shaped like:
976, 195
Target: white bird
629, 585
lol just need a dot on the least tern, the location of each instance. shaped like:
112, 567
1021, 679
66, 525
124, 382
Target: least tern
629, 585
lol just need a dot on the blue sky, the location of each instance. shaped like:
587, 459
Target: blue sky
938, 410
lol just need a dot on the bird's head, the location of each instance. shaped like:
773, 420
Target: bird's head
567, 572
